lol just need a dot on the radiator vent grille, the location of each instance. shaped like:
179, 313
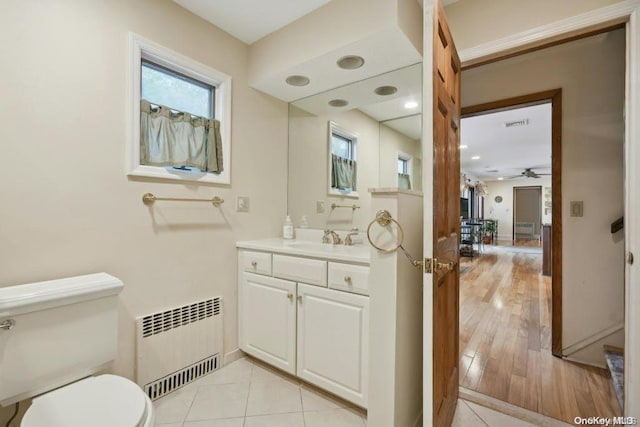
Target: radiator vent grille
163, 321
175, 380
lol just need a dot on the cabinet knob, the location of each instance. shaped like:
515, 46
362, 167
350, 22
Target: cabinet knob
254, 264
347, 280
290, 296
300, 299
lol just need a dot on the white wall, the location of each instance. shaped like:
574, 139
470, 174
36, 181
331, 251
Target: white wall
67, 206
503, 211
591, 75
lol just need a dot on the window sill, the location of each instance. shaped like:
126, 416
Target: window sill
178, 175
352, 194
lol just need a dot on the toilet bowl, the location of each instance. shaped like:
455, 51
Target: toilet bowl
102, 401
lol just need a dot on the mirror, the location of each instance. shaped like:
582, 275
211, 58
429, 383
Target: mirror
373, 125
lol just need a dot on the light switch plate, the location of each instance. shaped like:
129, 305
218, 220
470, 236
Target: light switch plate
242, 204
576, 209
320, 206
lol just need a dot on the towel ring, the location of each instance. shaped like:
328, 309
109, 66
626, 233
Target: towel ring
384, 218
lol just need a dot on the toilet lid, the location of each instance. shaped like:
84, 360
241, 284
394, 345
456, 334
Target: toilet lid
103, 401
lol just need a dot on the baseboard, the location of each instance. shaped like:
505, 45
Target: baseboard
232, 356
568, 351
509, 409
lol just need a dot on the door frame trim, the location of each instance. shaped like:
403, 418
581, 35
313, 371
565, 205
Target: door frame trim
626, 12
553, 96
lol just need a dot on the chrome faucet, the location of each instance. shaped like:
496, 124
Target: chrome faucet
348, 241
335, 239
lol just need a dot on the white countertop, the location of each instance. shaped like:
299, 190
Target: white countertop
358, 253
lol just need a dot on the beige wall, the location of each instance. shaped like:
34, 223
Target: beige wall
503, 211
309, 170
67, 206
591, 75
392, 143
503, 18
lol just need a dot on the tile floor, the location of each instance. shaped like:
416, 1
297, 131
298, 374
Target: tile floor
247, 393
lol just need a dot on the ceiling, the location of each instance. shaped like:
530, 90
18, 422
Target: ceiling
506, 151
251, 20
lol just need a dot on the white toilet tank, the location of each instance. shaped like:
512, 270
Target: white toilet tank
55, 332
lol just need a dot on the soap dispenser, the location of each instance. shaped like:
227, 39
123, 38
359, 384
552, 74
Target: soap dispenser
287, 230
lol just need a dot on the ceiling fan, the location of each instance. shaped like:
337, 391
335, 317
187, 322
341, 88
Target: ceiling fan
529, 173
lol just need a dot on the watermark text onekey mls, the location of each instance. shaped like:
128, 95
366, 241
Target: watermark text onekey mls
606, 421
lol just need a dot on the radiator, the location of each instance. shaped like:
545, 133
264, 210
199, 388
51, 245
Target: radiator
177, 346
525, 229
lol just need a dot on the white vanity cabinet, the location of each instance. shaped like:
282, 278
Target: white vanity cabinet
268, 320
294, 319
333, 341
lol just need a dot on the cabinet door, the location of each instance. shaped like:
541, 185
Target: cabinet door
333, 341
267, 320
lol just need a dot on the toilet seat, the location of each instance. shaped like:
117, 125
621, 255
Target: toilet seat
102, 401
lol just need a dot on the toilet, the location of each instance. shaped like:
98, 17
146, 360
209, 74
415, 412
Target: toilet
55, 337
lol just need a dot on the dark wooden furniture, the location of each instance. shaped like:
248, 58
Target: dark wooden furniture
546, 249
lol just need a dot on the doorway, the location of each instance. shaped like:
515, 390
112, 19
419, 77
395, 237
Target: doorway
527, 214
506, 378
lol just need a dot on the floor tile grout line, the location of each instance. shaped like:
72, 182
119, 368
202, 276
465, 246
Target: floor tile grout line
246, 406
475, 413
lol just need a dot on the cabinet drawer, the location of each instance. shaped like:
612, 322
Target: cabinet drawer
312, 271
350, 278
256, 262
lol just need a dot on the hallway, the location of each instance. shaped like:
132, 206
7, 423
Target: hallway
505, 339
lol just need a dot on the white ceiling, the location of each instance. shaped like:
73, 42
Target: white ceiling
250, 20
507, 150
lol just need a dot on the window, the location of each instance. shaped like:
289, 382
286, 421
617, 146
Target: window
343, 170
163, 86
180, 116
405, 164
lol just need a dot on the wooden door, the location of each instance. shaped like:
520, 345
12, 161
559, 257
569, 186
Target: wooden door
333, 341
442, 216
267, 320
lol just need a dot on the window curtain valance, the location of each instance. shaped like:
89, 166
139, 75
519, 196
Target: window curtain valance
169, 138
343, 173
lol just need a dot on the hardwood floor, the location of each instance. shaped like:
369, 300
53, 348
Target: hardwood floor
505, 342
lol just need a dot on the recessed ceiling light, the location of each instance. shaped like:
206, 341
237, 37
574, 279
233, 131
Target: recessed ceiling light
462, 147
386, 90
350, 62
500, 178
410, 104
475, 158
338, 103
297, 80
